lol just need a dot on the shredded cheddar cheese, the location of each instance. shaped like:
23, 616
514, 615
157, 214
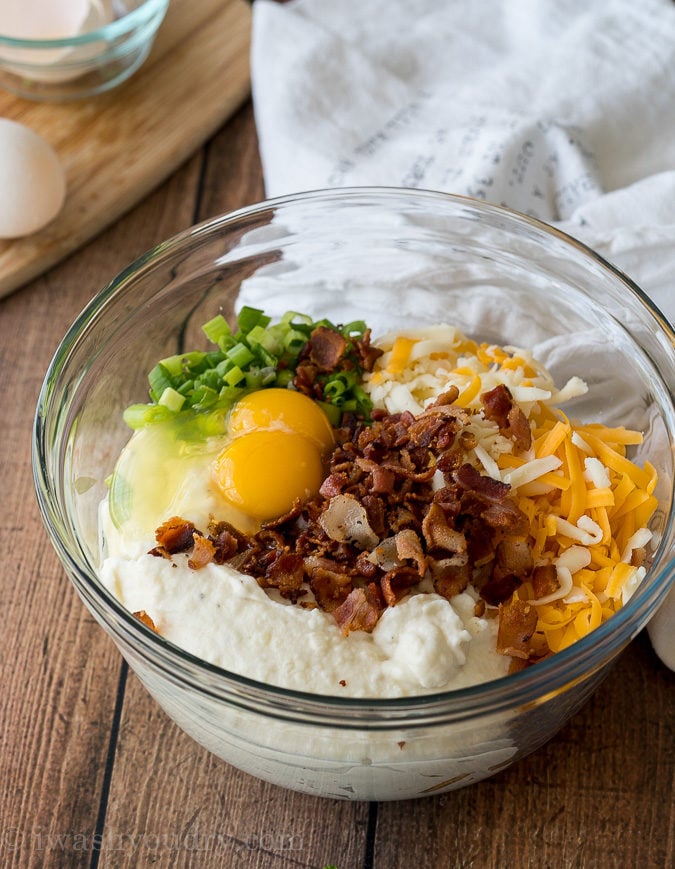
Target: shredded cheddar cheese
587, 503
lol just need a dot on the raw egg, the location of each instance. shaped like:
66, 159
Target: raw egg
281, 410
275, 454
263, 472
32, 181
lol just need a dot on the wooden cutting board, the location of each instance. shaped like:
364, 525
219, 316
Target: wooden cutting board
118, 146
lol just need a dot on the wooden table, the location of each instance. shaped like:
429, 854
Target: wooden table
93, 773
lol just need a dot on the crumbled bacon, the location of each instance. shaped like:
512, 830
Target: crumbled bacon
175, 535
384, 520
360, 611
517, 623
397, 582
450, 576
202, 552
498, 406
142, 616
544, 580
326, 348
286, 573
327, 351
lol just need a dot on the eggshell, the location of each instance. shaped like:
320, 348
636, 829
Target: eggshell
32, 181
46, 19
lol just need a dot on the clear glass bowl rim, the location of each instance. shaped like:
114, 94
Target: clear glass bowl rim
119, 27
532, 685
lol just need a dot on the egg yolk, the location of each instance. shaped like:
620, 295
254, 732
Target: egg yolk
263, 472
281, 410
274, 456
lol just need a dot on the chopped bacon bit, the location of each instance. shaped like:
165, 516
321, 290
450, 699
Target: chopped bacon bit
450, 396
479, 608
293, 513
368, 355
638, 556
329, 581
333, 485
326, 348
380, 523
202, 553
451, 575
360, 611
544, 580
438, 535
397, 582
409, 546
499, 589
175, 535
287, 573
160, 552
517, 623
343, 683
498, 406
514, 556
519, 429
142, 616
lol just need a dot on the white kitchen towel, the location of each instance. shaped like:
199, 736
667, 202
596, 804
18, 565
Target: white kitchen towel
561, 109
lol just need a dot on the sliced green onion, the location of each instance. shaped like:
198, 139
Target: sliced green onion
217, 329
172, 399
250, 317
140, 415
240, 355
234, 376
257, 356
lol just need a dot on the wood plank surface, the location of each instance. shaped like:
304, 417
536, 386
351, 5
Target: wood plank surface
87, 753
118, 146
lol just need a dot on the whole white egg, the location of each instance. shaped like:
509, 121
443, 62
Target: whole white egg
32, 181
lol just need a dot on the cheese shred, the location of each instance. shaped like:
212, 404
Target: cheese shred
587, 503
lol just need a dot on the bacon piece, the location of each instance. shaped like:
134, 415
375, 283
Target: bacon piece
334, 484
160, 552
517, 624
473, 481
374, 505
175, 535
202, 552
367, 354
438, 535
519, 430
383, 481
514, 556
326, 348
409, 546
499, 589
293, 513
450, 575
450, 396
360, 611
397, 582
330, 582
142, 616
225, 545
498, 406
345, 520
287, 573
488, 499
544, 580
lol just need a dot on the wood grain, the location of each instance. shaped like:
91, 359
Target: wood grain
117, 147
86, 751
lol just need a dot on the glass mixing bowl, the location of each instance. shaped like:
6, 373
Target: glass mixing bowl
95, 60
391, 257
